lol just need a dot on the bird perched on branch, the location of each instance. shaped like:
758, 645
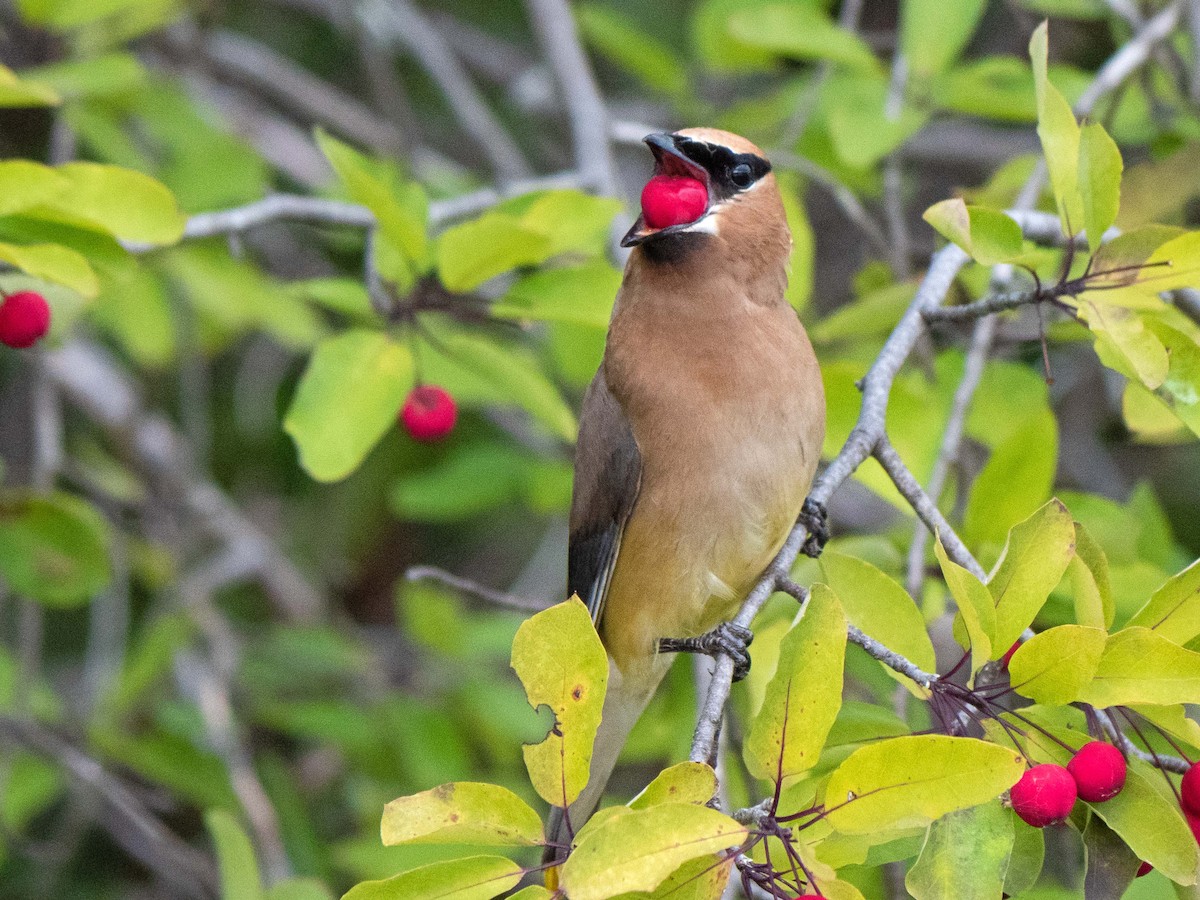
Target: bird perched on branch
700, 433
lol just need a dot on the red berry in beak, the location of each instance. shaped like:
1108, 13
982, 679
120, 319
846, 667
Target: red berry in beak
673, 200
1099, 771
1045, 795
1144, 869
429, 413
1190, 789
24, 319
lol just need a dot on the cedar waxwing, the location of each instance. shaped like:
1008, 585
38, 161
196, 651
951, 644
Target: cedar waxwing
699, 435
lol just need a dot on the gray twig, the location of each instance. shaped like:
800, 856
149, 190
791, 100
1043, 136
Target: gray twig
474, 588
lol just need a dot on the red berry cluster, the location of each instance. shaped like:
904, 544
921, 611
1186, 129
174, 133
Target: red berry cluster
24, 319
429, 413
1189, 795
1046, 794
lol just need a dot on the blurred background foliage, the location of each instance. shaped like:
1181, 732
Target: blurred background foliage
220, 631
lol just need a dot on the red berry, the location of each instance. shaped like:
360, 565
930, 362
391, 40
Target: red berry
1193, 820
1144, 869
1008, 654
1099, 771
673, 200
1045, 795
24, 319
1189, 790
429, 413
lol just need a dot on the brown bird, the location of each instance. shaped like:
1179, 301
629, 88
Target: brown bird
699, 435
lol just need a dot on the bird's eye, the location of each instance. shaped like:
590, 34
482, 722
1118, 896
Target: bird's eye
741, 175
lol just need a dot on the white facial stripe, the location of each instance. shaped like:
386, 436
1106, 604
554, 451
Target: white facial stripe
705, 225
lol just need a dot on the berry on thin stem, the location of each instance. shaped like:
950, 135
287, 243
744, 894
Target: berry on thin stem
429, 413
24, 319
1099, 771
1045, 795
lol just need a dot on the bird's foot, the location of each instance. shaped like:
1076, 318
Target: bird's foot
814, 517
726, 639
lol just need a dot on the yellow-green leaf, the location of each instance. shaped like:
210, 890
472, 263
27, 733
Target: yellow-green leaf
988, 235
581, 295
639, 850
127, 204
804, 696
1034, 560
54, 262
1099, 181
1174, 609
913, 780
240, 879
687, 782
1151, 825
1090, 585
24, 183
464, 812
801, 31
1141, 666
881, 608
1059, 134
472, 878
347, 398
975, 605
17, 93
965, 855
471, 253
1123, 342
562, 664
1055, 665
54, 548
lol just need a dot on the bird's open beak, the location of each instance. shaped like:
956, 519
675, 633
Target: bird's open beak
668, 160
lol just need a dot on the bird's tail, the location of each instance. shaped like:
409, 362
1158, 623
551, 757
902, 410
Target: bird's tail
624, 703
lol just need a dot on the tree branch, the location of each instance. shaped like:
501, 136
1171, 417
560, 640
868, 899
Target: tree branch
474, 589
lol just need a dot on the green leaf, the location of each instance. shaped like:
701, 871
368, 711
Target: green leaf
997, 87
562, 664
401, 209
630, 47
53, 262
934, 32
240, 879
1034, 560
804, 696
348, 397
1124, 344
1028, 855
1099, 181
128, 205
881, 608
477, 371
470, 878
965, 855
1055, 665
1174, 264
687, 782
1151, 825
913, 780
639, 850
1110, 865
1180, 389
54, 548
1174, 609
17, 93
1174, 720
569, 219
464, 812
1059, 134
299, 889
581, 295
473, 252
24, 184
109, 74
1140, 666
975, 605
1090, 584
861, 131
988, 235
802, 261
801, 31
533, 892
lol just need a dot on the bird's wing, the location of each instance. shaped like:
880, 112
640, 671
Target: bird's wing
608, 474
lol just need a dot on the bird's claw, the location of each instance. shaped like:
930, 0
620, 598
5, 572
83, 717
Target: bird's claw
727, 639
814, 517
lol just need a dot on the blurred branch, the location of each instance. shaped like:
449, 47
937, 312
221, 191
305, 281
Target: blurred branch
474, 589
1129, 58
130, 825
399, 23
94, 383
555, 28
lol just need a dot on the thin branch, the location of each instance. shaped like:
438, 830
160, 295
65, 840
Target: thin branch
1131, 57
399, 23
992, 303
981, 345
554, 25
1167, 763
474, 589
